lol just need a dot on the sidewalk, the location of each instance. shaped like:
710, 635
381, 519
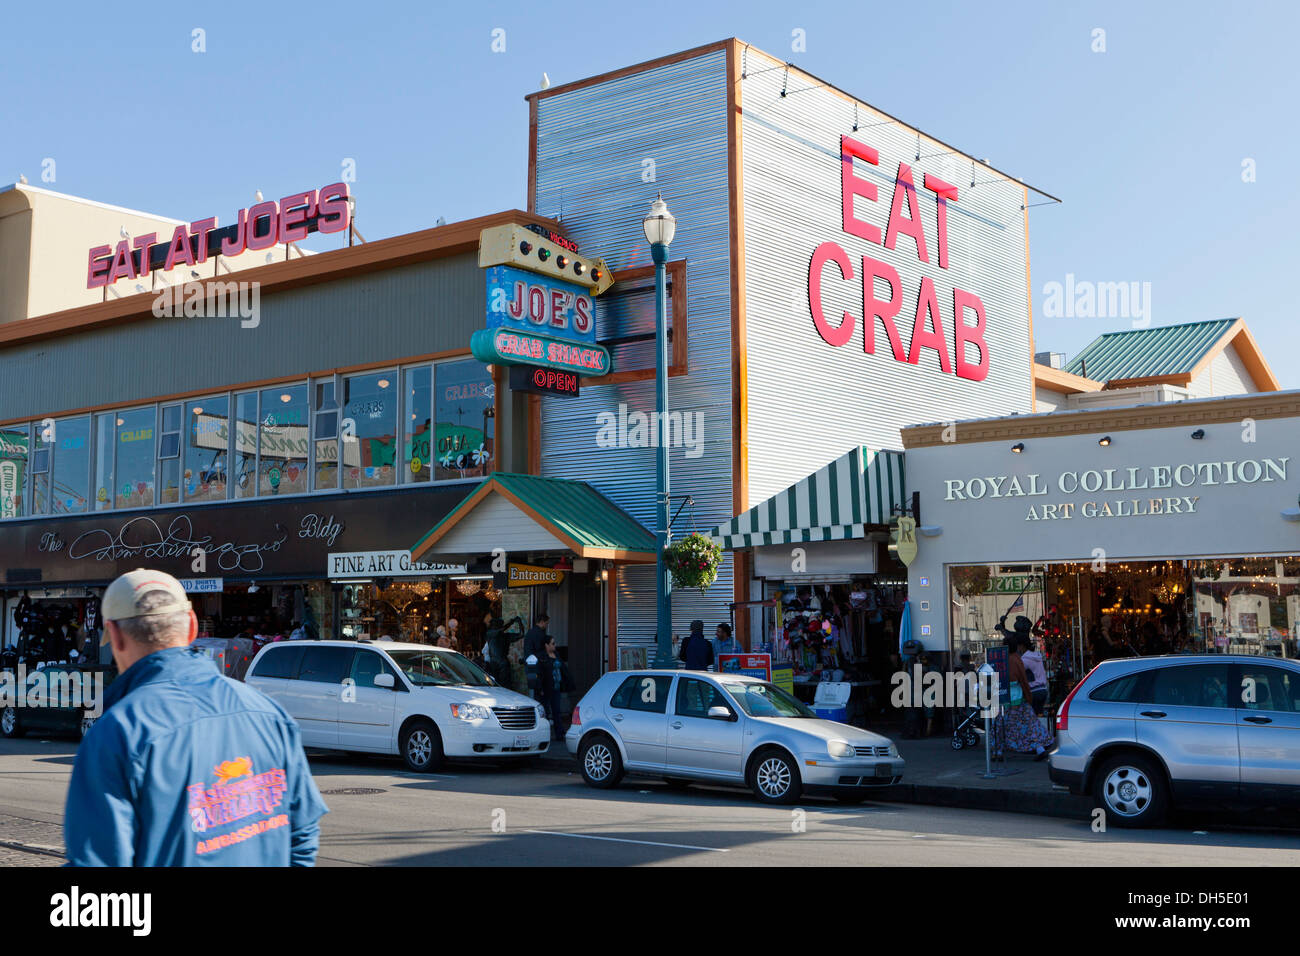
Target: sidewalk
940, 776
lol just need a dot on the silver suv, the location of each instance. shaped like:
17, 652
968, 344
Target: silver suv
726, 728
1142, 734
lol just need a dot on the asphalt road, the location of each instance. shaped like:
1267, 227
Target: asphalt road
488, 816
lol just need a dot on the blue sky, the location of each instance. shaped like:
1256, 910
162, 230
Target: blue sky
1144, 142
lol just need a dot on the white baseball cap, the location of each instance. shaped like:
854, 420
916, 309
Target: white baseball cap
123, 598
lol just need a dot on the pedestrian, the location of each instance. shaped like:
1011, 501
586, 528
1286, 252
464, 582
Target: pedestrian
443, 640
1037, 670
185, 767
696, 650
534, 651
453, 634
554, 680
1020, 728
726, 644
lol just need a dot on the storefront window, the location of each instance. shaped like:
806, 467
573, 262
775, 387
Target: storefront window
465, 430
105, 445
70, 491
282, 430
134, 472
13, 470
419, 419
169, 456
207, 432
42, 451
245, 463
370, 412
327, 437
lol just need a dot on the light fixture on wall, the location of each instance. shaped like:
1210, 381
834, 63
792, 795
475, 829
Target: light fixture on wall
931, 530
1018, 447
253, 588
1104, 441
1292, 514
1198, 434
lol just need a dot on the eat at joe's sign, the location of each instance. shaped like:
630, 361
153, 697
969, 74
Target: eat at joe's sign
928, 322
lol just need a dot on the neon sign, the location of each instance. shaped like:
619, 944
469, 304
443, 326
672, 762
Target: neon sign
507, 347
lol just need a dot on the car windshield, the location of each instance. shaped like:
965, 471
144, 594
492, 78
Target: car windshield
767, 700
438, 668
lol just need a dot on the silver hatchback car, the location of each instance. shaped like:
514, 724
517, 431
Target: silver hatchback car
1142, 734
693, 725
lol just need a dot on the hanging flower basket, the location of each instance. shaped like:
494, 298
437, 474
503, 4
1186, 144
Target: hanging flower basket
970, 581
693, 561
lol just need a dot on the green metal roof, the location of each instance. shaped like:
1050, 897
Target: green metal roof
573, 509
1143, 353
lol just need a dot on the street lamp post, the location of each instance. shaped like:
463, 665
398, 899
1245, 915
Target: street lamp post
660, 227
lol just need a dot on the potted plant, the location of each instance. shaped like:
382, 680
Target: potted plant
693, 561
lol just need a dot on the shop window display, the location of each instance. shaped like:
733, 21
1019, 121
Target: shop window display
13, 471
105, 445
169, 456
70, 490
134, 471
417, 429
282, 441
370, 414
245, 463
207, 432
465, 420
325, 455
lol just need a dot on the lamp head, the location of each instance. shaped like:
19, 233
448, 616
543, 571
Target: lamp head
660, 225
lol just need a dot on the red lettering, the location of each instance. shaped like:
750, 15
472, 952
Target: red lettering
179, 249
97, 267
201, 228
123, 266
558, 319
264, 210
851, 185
873, 308
516, 306
927, 329
294, 212
536, 305
142, 243
943, 192
904, 188
829, 251
963, 333
582, 314
333, 208
233, 247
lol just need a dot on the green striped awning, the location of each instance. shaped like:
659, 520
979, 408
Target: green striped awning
839, 501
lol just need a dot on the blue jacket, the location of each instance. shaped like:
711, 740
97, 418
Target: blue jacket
696, 651
187, 767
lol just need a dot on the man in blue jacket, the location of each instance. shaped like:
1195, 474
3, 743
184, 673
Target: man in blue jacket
185, 767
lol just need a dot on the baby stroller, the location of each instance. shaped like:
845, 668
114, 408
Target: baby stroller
964, 733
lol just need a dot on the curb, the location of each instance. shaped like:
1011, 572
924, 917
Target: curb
1054, 803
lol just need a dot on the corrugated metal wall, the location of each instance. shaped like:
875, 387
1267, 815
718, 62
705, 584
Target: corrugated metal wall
808, 401
593, 148
411, 310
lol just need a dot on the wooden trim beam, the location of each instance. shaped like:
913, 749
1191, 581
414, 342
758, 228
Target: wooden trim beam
1059, 380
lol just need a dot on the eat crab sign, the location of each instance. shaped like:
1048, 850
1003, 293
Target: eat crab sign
928, 324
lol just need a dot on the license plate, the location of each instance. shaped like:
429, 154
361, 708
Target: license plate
522, 742
884, 770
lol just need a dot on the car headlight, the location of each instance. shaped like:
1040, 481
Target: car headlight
840, 748
541, 712
893, 749
470, 711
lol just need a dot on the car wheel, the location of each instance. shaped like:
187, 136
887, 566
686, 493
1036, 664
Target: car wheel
422, 747
774, 778
85, 725
11, 724
857, 795
602, 767
1133, 791
677, 783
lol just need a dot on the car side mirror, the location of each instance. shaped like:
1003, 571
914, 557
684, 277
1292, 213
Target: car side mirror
385, 680
720, 713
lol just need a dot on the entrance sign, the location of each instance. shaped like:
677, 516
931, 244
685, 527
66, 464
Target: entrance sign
389, 564
528, 576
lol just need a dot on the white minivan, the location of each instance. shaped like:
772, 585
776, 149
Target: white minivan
386, 697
